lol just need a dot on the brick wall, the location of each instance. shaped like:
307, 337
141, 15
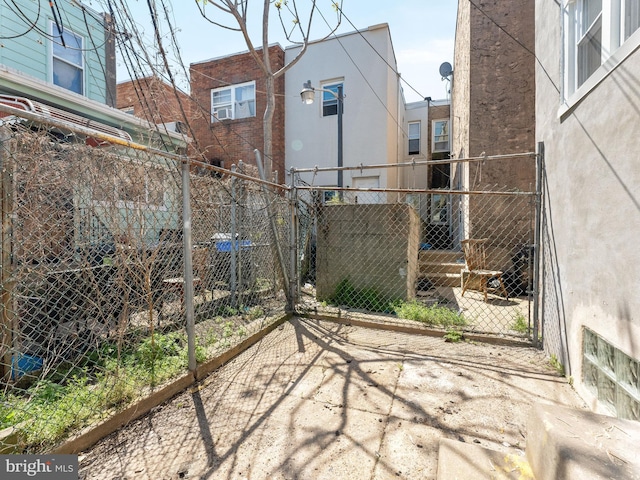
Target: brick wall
234, 140
494, 99
152, 99
502, 87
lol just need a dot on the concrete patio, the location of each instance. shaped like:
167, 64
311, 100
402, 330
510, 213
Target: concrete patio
316, 400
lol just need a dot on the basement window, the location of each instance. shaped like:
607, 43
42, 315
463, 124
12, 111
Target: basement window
611, 375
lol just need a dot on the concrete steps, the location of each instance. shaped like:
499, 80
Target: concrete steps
562, 444
566, 444
441, 267
466, 461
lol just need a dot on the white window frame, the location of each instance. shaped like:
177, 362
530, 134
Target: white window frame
617, 43
329, 100
231, 108
56, 41
414, 136
433, 136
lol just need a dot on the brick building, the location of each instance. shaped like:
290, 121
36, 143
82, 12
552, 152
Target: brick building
494, 79
154, 100
493, 104
229, 95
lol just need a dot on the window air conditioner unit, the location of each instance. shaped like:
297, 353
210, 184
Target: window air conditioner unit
223, 114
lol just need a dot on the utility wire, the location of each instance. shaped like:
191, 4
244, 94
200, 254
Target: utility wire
359, 32
32, 25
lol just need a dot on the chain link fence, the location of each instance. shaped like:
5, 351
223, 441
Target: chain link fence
461, 259
102, 303
96, 280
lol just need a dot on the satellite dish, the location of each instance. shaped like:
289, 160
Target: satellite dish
446, 69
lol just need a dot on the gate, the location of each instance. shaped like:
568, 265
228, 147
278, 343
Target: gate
400, 252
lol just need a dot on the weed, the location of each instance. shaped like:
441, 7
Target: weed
520, 324
555, 363
263, 283
69, 399
241, 332
453, 336
229, 311
366, 298
429, 315
255, 313
210, 338
201, 353
227, 330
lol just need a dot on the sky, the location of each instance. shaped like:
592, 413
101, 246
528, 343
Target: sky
422, 32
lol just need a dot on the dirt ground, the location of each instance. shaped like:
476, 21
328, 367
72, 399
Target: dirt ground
320, 400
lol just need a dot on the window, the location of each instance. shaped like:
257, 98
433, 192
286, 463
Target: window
594, 30
631, 17
330, 101
414, 138
440, 136
329, 196
590, 39
439, 209
236, 101
67, 60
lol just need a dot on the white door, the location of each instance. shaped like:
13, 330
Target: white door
367, 197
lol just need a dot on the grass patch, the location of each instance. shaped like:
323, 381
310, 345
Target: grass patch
74, 397
434, 315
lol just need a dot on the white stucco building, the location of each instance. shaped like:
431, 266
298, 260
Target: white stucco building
588, 123
375, 118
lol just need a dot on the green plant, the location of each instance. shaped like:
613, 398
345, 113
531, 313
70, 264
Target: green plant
555, 363
255, 313
453, 336
229, 311
520, 324
71, 397
366, 298
429, 315
227, 330
263, 283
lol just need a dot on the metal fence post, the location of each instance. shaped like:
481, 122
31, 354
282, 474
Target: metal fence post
275, 243
233, 247
293, 251
188, 264
537, 243
5, 267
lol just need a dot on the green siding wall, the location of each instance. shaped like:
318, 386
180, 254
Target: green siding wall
30, 51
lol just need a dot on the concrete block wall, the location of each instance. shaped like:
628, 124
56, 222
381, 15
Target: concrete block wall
371, 246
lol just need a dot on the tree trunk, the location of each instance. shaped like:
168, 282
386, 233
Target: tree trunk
267, 125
